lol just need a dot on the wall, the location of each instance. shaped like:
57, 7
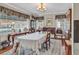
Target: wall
76, 11
49, 20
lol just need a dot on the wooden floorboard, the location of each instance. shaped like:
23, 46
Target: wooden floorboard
5, 49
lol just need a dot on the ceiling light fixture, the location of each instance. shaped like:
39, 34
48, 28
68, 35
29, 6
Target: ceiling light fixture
41, 7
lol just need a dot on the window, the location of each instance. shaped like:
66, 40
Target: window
58, 24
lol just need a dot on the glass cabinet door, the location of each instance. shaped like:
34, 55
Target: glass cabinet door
33, 24
3, 13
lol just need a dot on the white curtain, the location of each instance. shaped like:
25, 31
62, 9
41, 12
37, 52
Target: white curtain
63, 24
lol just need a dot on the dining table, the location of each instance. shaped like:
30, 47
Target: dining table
32, 40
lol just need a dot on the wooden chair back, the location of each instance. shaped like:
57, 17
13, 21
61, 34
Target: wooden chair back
16, 48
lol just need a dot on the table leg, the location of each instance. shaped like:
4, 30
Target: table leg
37, 47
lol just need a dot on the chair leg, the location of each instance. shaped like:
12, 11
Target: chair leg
46, 46
49, 44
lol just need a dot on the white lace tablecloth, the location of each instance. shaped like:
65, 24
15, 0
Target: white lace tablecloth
33, 40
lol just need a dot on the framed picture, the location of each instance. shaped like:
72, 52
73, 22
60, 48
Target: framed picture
49, 22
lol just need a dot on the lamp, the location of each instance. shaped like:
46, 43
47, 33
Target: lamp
41, 7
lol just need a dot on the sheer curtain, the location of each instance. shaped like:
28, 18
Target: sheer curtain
63, 24
39, 24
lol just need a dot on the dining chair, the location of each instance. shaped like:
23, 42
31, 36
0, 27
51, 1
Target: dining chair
38, 30
52, 31
16, 48
46, 44
31, 30
58, 34
4, 41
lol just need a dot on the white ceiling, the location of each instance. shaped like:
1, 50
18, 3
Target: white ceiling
31, 8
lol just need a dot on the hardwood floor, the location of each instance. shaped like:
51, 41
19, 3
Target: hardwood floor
56, 48
5, 49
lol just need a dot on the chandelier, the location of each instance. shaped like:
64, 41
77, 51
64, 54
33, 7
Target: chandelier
41, 7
